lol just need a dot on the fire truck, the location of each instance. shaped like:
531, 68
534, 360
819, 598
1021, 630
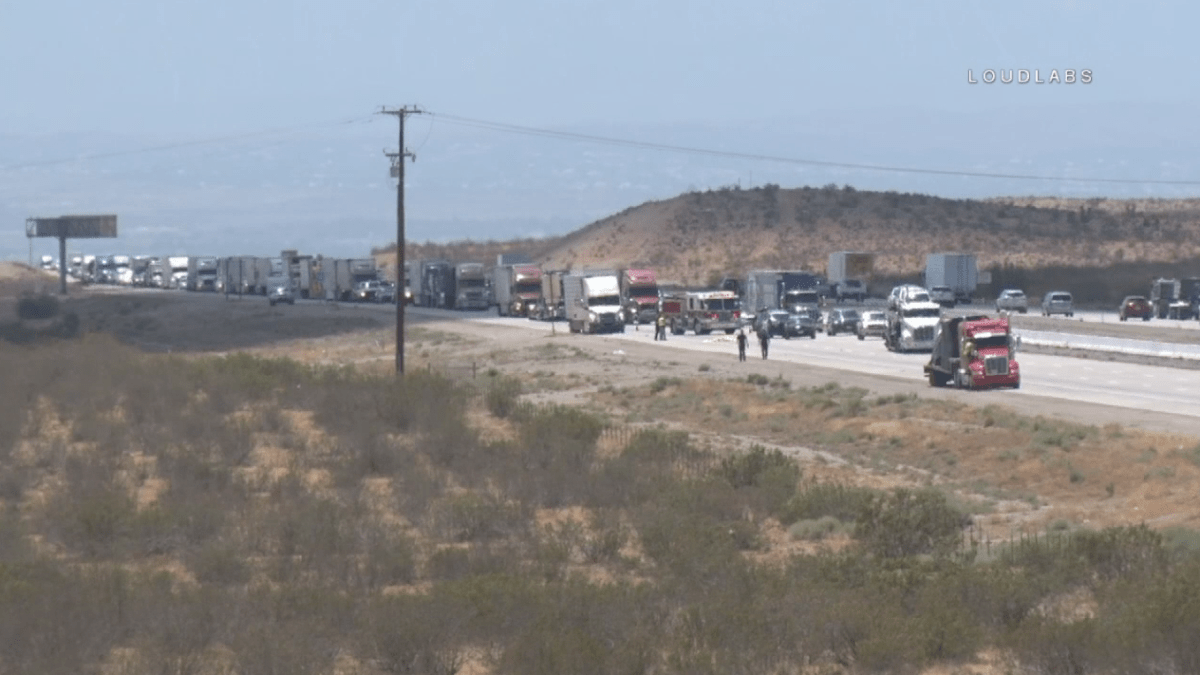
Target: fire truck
973, 352
702, 312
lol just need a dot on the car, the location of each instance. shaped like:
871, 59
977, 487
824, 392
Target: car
872, 323
1012, 300
943, 295
841, 320
802, 323
772, 319
1136, 306
1058, 302
280, 289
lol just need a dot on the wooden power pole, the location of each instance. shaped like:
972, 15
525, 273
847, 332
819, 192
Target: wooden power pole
398, 173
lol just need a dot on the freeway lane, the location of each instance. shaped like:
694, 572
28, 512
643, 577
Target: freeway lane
1132, 387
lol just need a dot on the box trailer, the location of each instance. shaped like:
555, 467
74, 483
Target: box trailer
956, 271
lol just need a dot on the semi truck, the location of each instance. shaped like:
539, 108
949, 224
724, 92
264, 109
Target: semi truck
1169, 300
202, 273
550, 305
956, 271
912, 322
234, 274
517, 289
973, 352
435, 284
341, 275
639, 295
778, 289
177, 268
470, 286
593, 302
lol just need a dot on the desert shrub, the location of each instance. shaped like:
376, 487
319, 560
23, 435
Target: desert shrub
219, 562
474, 516
910, 522
411, 634
503, 396
1048, 646
765, 480
757, 379
662, 383
452, 563
42, 306
1121, 552
815, 530
556, 449
747, 469
813, 501
388, 555
583, 628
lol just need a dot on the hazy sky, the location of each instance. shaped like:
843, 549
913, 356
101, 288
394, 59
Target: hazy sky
252, 100
222, 66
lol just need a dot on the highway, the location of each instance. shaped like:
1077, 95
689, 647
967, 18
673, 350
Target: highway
1134, 387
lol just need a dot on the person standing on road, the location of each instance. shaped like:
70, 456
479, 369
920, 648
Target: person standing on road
764, 339
741, 342
660, 327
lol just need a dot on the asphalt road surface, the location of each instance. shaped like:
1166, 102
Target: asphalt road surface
1129, 394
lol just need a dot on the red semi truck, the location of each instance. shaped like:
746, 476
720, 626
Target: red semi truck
973, 352
639, 296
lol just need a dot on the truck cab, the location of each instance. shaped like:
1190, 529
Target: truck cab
974, 352
911, 325
706, 311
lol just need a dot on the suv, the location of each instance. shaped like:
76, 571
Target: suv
1012, 300
1058, 302
841, 321
1136, 306
872, 322
907, 293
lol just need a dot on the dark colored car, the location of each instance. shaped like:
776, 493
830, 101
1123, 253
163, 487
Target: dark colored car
1136, 306
773, 319
801, 324
841, 321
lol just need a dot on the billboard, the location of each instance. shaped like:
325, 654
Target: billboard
73, 227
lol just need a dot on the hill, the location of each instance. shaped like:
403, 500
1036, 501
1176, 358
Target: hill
698, 237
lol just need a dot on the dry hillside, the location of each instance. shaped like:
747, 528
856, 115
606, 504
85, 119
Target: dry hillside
700, 236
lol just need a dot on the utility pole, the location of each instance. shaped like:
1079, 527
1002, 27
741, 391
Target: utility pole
398, 173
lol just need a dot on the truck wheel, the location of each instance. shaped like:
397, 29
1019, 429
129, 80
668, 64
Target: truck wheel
861, 336
936, 379
812, 335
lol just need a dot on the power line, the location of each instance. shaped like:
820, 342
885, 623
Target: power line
182, 144
646, 145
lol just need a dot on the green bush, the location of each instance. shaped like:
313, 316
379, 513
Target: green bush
503, 396
818, 500
910, 522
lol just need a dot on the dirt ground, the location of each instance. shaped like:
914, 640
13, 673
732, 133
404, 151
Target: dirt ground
1030, 464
